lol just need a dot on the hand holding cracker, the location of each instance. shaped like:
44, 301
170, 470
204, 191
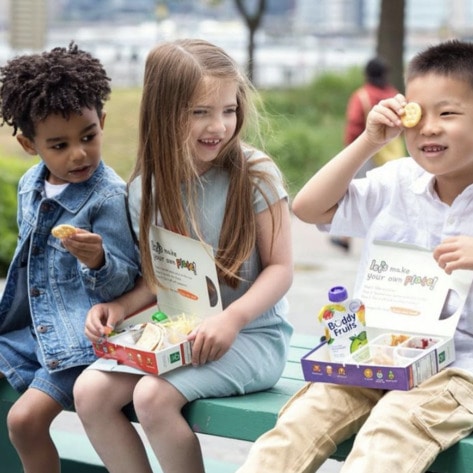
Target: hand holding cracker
86, 246
383, 122
412, 115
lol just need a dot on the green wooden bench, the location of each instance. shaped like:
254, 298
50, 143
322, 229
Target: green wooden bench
240, 417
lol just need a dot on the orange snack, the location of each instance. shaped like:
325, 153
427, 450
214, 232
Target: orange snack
107, 330
398, 339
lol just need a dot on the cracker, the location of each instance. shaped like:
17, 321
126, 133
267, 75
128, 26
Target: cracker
152, 337
63, 231
412, 115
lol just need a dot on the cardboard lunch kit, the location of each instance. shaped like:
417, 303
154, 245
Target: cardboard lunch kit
412, 308
188, 291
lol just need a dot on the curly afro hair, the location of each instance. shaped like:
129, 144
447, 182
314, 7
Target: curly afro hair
60, 81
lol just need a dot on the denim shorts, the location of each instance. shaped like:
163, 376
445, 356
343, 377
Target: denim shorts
20, 362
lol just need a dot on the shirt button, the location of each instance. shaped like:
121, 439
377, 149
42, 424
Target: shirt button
53, 363
42, 328
35, 292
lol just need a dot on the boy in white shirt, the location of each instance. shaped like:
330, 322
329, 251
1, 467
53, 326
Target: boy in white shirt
425, 200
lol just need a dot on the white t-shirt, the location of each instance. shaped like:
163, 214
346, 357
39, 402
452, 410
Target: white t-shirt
52, 190
397, 202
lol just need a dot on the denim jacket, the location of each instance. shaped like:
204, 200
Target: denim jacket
55, 290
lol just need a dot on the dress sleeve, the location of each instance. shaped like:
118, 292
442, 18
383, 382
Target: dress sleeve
274, 190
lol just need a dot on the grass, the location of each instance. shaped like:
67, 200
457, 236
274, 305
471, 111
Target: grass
120, 141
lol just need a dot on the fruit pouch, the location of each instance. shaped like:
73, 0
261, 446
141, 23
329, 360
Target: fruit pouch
344, 328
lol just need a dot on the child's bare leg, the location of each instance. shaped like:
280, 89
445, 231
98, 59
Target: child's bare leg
158, 407
28, 422
99, 399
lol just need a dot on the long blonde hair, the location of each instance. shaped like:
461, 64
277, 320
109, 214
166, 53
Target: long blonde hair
174, 72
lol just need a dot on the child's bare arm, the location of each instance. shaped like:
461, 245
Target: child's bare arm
317, 201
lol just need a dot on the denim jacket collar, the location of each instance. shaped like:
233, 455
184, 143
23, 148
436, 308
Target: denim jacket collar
74, 196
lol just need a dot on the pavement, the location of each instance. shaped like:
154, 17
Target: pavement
319, 265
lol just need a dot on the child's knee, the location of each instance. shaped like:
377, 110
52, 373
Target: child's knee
149, 397
23, 423
87, 392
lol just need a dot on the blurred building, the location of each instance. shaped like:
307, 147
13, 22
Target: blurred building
323, 17
298, 39
316, 17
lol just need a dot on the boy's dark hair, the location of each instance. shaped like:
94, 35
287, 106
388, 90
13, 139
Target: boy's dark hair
452, 58
61, 81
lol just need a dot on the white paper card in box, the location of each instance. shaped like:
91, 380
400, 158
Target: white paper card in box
186, 271
411, 297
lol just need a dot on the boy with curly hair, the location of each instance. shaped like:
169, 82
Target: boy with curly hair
54, 103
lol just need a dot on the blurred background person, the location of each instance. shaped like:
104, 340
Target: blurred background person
375, 88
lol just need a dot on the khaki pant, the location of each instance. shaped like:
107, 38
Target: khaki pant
397, 431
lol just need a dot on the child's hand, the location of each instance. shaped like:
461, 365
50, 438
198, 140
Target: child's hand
455, 253
383, 122
212, 338
86, 247
102, 319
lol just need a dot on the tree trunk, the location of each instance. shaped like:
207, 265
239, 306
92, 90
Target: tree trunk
390, 39
253, 21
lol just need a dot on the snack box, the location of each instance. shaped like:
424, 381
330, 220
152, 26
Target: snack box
120, 347
380, 365
412, 308
188, 284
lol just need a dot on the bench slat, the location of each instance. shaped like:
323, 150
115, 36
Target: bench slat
240, 417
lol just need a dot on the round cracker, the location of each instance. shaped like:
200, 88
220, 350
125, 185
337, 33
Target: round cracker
63, 231
412, 115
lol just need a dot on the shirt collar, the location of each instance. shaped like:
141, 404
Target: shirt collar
74, 196
424, 184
